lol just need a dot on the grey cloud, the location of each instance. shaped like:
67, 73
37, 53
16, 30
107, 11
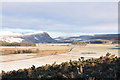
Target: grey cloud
64, 17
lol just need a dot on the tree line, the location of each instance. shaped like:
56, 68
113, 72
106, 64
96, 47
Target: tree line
17, 44
79, 43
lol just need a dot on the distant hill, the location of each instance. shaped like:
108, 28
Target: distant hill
34, 37
89, 37
38, 38
43, 37
107, 36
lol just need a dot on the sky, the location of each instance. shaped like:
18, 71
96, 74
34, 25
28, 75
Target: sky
60, 18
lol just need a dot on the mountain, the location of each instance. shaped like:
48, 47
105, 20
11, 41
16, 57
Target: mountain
8, 36
38, 37
89, 37
74, 38
34, 37
43, 37
107, 36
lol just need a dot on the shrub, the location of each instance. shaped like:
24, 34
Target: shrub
108, 69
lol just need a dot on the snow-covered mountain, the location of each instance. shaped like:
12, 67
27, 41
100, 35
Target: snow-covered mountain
38, 37
8, 36
89, 37
74, 38
34, 37
43, 37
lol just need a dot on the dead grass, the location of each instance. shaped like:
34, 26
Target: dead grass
38, 52
49, 52
7, 51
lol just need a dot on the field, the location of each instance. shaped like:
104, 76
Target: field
42, 50
53, 53
97, 49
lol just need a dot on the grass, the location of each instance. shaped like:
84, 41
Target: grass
38, 52
7, 51
49, 52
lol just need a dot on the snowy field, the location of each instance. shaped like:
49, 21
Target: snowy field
20, 61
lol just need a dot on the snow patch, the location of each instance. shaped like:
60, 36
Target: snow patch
9, 36
36, 38
12, 39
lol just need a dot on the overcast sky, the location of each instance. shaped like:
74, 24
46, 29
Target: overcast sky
60, 18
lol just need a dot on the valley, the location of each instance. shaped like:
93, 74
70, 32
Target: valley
65, 53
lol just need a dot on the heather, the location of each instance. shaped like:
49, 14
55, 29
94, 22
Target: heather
105, 67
